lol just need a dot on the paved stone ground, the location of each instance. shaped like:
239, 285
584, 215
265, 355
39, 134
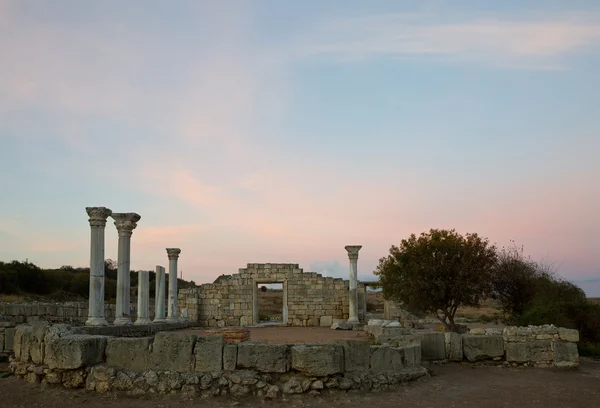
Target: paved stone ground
280, 334
450, 386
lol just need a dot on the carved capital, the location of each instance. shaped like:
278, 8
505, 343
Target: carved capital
98, 216
173, 253
353, 251
126, 223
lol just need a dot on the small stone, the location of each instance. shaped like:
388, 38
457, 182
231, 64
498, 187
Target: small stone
317, 385
238, 390
32, 377
188, 390
314, 393
272, 392
341, 326
292, 386
151, 378
346, 384
261, 385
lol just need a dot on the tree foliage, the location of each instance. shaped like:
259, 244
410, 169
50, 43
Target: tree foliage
67, 282
437, 272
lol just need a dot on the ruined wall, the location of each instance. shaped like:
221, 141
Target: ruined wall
66, 312
206, 366
540, 346
309, 299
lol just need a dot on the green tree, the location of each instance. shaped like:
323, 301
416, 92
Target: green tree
438, 272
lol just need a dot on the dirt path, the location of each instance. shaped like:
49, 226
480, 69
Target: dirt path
450, 386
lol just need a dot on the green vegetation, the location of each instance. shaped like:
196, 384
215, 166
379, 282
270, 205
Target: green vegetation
438, 272
65, 283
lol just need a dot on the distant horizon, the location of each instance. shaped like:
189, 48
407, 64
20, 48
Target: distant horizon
266, 130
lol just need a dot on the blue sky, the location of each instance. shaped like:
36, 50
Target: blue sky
271, 131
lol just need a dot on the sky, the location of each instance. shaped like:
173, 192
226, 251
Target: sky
269, 131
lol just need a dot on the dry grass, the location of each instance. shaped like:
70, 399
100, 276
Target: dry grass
270, 302
12, 298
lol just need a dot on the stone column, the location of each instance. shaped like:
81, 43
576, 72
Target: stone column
125, 223
365, 306
159, 296
353, 301
173, 254
98, 216
143, 301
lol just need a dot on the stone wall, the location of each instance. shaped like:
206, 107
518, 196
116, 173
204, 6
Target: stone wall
67, 312
205, 366
540, 346
309, 299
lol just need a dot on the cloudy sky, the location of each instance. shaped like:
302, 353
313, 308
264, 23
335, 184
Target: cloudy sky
270, 131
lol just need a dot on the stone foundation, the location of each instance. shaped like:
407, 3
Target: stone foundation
202, 366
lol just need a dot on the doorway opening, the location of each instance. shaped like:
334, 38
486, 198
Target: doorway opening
374, 303
270, 303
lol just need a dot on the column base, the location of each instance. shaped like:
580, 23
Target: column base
96, 321
122, 321
159, 321
353, 321
142, 321
172, 319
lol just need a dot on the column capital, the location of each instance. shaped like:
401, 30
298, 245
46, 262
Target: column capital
173, 253
353, 251
126, 222
98, 215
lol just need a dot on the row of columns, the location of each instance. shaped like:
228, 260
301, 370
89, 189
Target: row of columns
126, 223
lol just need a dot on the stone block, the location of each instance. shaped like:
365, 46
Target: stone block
173, 351
326, 321
209, 353
318, 359
380, 358
36, 341
74, 351
531, 351
1, 341
476, 348
454, 347
229, 357
132, 354
22, 340
433, 346
357, 354
268, 358
9, 338
412, 355
569, 335
565, 354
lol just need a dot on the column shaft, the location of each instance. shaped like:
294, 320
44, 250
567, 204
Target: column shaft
143, 302
173, 315
125, 223
353, 294
159, 295
98, 216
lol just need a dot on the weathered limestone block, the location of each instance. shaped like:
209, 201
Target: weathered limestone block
531, 351
412, 355
380, 358
173, 351
36, 347
326, 321
209, 353
9, 337
565, 354
74, 351
269, 358
569, 335
433, 346
357, 354
318, 360
129, 353
1, 340
454, 347
476, 348
23, 332
229, 357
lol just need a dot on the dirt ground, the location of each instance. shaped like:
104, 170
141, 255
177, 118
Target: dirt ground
283, 335
450, 385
